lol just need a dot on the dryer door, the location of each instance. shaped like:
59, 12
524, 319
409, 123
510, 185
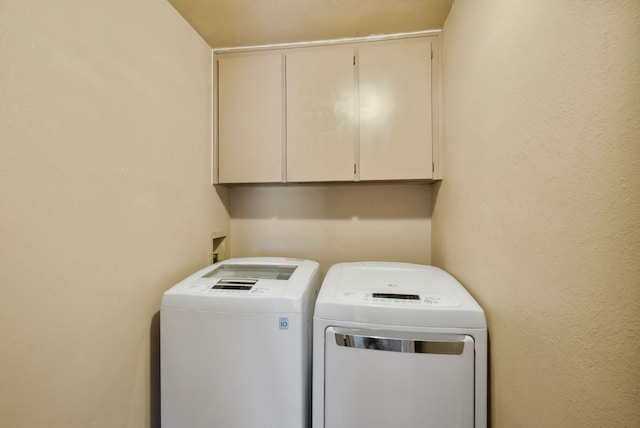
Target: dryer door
381, 379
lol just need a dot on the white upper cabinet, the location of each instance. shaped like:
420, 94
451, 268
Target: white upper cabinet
250, 118
321, 125
395, 110
364, 110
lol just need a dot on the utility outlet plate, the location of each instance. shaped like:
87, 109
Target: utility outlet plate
219, 247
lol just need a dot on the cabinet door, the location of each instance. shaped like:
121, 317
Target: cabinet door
395, 110
250, 118
320, 114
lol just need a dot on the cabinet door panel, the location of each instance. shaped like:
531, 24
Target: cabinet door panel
395, 110
250, 118
320, 115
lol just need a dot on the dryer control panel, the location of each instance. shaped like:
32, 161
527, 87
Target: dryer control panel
432, 298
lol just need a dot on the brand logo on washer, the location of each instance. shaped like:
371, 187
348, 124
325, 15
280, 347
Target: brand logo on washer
392, 285
284, 323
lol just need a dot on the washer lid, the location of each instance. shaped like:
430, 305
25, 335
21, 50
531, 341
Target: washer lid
266, 284
250, 271
397, 294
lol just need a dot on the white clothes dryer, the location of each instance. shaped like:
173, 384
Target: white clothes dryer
235, 344
398, 345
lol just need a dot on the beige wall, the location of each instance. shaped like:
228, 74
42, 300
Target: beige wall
333, 223
538, 211
104, 172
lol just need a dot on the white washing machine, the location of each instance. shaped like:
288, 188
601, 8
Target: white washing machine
398, 345
235, 344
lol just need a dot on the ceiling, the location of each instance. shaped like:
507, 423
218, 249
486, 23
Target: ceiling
233, 23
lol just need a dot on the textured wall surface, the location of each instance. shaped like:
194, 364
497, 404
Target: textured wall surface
333, 223
538, 213
106, 202
229, 23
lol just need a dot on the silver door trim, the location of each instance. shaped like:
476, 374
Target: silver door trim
413, 346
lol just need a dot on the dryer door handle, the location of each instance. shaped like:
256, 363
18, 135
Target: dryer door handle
455, 347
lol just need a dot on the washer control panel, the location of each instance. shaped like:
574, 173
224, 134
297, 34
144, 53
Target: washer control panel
237, 288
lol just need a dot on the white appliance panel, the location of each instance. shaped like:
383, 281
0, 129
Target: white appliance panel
222, 364
380, 379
